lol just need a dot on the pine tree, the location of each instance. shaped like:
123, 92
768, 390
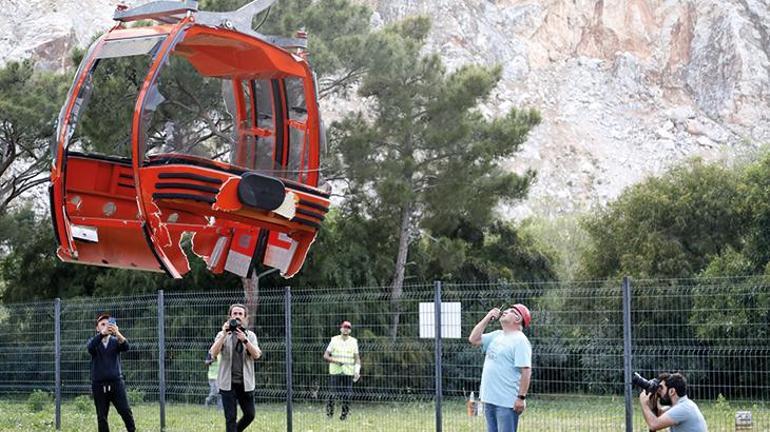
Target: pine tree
422, 156
29, 102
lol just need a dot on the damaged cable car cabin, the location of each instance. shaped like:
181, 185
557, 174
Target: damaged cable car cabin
198, 125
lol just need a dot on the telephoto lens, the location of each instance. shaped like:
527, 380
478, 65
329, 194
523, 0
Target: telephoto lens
234, 324
649, 386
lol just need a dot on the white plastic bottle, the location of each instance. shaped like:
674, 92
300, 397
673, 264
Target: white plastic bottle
471, 405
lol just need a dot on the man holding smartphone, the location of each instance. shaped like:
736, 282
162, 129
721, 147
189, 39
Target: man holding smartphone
107, 384
507, 368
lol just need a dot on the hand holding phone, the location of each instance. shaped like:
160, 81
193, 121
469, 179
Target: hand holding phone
500, 311
111, 326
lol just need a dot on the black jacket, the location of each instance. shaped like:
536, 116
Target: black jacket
105, 361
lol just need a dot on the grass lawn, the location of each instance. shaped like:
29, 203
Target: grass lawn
563, 414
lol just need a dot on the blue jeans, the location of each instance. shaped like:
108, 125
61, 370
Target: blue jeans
501, 419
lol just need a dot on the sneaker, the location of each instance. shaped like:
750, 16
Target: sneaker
343, 416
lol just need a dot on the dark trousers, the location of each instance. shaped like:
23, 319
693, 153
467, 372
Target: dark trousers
115, 392
340, 387
230, 401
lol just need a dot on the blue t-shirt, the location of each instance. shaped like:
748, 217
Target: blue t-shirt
506, 354
687, 416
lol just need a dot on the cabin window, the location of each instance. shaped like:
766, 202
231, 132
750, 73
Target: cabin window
297, 112
100, 121
185, 114
256, 131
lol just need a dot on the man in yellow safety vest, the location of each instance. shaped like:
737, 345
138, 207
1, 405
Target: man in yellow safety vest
344, 369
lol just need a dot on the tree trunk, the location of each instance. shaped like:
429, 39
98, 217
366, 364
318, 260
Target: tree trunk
251, 293
398, 274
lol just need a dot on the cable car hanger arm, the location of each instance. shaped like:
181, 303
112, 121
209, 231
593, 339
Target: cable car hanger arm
170, 12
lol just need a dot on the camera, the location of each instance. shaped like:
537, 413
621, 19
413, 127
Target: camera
234, 324
649, 386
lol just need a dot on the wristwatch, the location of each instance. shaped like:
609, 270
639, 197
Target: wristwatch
522, 397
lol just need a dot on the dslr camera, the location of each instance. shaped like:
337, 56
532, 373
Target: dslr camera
233, 325
649, 386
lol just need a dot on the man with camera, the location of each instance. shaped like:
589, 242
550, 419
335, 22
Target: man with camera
236, 380
676, 410
507, 368
107, 384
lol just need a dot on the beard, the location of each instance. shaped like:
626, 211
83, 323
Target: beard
665, 400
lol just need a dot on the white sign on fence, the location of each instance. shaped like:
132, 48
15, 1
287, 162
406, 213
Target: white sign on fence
450, 320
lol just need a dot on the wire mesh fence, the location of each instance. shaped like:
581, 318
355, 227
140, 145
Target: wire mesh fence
715, 331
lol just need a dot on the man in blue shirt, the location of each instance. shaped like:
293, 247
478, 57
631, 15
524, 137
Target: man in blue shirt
106, 375
682, 416
507, 366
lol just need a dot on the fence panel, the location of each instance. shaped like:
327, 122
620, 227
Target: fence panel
713, 330
137, 319
396, 389
26, 349
192, 322
577, 346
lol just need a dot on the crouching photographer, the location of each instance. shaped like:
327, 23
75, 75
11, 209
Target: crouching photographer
665, 404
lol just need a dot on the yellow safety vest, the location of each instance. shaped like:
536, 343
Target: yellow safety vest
342, 351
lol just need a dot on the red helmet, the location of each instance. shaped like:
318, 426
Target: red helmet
526, 317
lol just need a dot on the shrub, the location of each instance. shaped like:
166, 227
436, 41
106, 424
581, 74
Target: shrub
83, 403
38, 399
135, 396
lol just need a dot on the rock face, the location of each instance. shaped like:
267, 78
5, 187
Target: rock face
626, 87
47, 30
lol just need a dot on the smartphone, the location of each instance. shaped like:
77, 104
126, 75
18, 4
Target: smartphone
501, 310
111, 321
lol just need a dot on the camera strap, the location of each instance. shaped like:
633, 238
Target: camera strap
238, 344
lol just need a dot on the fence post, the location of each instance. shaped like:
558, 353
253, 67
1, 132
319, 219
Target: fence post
288, 356
627, 367
161, 359
57, 360
437, 324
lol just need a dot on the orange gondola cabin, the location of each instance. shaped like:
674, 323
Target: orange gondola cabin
197, 124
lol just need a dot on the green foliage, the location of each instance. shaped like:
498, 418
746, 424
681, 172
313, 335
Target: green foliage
105, 123
722, 404
498, 252
31, 269
29, 102
746, 297
701, 220
38, 400
423, 162
349, 251
338, 33
755, 203
564, 238
83, 403
135, 396
668, 226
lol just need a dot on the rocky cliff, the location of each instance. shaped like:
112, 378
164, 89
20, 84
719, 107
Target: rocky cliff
626, 87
